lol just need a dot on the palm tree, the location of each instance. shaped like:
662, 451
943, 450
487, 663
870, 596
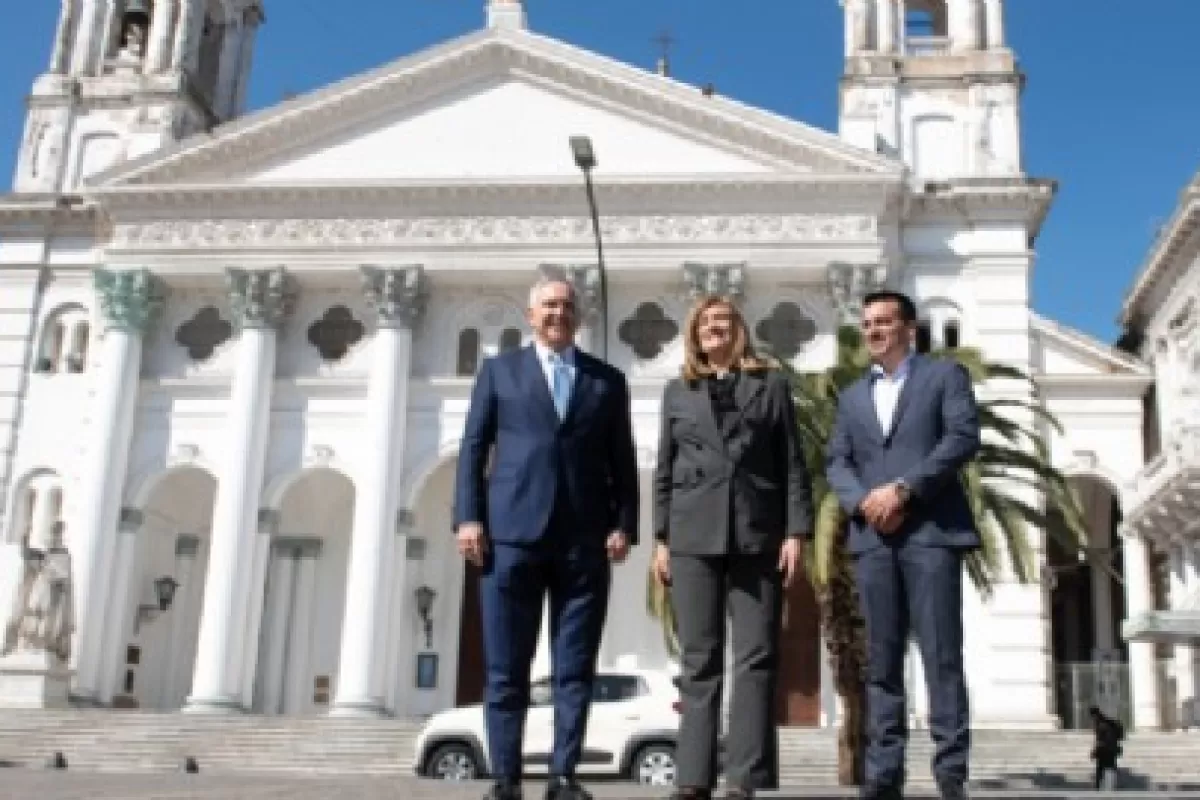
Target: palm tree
1014, 456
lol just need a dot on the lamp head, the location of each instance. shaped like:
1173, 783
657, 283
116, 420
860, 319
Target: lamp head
425, 597
585, 154
164, 590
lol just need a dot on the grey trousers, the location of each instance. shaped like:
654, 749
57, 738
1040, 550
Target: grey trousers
704, 589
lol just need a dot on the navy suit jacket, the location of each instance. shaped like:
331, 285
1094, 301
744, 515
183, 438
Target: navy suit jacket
512, 417
935, 431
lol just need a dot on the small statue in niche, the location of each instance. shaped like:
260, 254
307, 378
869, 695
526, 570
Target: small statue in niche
43, 611
134, 26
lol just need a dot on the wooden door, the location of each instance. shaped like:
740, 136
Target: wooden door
470, 642
799, 690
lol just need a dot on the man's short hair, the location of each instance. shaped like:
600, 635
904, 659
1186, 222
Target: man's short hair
908, 309
549, 280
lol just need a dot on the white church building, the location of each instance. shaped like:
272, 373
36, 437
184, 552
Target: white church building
236, 349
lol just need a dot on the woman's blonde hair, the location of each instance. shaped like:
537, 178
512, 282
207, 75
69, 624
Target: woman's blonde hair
695, 363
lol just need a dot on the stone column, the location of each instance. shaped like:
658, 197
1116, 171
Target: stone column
125, 601
398, 645
129, 303
1143, 677
586, 280
260, 301
268, 522
252, 18
162, 35
228, 70
886, 30
299, 689
186, 549
62, 38
963, 22
858, 26
91, 17
283, 574
399, 297
994, 23
1185, 673
183, 50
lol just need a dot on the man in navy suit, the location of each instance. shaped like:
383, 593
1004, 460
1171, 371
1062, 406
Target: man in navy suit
559, 503
902, 433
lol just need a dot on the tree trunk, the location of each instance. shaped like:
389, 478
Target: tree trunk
845, 638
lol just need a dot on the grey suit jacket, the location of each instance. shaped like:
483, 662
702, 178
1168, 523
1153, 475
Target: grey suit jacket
752, 476
935, 431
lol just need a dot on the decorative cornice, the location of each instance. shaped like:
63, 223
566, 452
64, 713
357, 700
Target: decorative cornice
399, 296
766, 137
130, 299
453, 231
1026, 198
260, 298
1169, 259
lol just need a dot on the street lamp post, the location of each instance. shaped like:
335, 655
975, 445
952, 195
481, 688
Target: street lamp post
585, 159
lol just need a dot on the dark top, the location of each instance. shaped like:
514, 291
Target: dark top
721, 392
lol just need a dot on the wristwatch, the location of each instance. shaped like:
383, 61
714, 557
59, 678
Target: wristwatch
904, 490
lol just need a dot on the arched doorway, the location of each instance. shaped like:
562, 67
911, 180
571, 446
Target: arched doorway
1087, 608
304, 601
157, 659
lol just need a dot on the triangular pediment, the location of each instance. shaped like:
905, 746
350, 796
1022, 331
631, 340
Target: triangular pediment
499, 105
1065, 351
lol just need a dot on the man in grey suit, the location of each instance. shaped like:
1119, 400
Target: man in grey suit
902, 433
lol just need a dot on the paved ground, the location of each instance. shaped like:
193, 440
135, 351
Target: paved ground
19, 784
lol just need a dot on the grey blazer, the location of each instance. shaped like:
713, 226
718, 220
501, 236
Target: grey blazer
751, 475
935, 431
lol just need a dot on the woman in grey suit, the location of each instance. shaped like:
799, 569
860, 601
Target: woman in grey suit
732, 506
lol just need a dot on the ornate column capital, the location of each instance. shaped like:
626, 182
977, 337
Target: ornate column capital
586, 281
260, 298
720, 280
129, 299
399, 295
850, 283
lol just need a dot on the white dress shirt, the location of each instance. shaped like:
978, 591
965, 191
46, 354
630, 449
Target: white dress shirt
885, 390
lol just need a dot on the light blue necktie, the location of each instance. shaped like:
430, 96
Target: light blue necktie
560, 384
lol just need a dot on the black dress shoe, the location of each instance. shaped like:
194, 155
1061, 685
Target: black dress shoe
952, 790
691, 793
566, 789
504, 790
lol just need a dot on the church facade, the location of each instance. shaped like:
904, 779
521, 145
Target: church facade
238, 348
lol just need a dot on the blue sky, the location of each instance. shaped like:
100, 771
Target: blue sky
1110, 110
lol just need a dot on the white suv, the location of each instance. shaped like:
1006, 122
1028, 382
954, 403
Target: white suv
632, 726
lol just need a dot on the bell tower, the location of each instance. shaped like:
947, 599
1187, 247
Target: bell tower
127, 77
932, 83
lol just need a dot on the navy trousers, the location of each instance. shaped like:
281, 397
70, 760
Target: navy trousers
903, 588
513, 585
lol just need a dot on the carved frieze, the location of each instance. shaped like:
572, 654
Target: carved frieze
458, 231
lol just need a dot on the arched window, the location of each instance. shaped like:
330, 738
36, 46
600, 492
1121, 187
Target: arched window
63, 347
950, 334
77, 356
925, 18
37, 517
924, 341
468, 352
510, 339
